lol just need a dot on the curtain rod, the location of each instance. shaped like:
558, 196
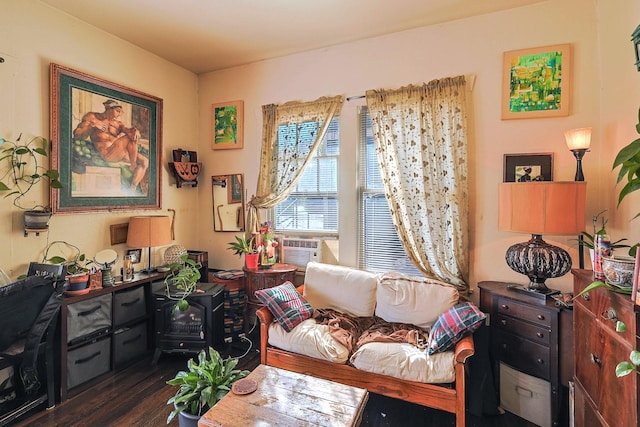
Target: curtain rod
471, 79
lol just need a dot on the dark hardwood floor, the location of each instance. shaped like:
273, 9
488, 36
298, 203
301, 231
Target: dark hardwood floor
137, 396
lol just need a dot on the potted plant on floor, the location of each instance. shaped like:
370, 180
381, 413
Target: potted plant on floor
202, 385
23, 171
182, 280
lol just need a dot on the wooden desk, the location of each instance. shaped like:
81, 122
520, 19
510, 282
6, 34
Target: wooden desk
286, 398
258, 278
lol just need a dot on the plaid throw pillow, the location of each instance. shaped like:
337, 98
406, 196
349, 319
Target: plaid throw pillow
453, 325
287, 305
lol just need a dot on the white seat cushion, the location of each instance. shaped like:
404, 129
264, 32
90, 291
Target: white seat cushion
405, 361
345, 289
310, 339
415, 300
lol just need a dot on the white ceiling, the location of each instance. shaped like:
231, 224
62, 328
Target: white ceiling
208, 35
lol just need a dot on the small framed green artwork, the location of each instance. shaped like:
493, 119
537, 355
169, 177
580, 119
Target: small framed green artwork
536, 82
227, 125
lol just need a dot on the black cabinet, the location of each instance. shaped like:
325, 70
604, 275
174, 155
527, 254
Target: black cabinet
532, 352
103, 331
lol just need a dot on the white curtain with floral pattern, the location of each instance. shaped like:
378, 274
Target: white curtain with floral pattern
420, 134
280, 165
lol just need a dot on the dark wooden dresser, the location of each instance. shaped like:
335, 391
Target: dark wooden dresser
531, 341
602, 399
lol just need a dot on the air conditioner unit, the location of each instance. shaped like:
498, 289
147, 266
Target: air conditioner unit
299, 252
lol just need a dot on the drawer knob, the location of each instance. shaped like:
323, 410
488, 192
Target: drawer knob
505, 307
595, 360
540, 361
503, 322
609, 314
539, 334
540, 316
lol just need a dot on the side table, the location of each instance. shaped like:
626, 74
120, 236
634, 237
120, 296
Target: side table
531, 344
259, 278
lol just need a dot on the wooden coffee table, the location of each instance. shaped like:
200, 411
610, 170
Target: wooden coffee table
287, 398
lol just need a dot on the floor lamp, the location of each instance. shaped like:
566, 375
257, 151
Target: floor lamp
147, 232
555, 208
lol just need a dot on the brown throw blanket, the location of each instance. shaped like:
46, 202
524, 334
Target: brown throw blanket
354, 332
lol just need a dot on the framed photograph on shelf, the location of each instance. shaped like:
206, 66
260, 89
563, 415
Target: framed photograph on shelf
106, 144
136, 255
227, 125
528, 167
536, 82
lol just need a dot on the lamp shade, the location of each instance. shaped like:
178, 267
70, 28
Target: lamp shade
578, 139
149, 231
555, 208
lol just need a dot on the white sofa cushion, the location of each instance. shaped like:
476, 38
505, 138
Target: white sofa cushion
405, 361
415, 300
309, 338
345, 289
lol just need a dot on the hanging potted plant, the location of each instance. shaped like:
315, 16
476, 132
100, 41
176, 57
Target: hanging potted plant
202, 386
23, 171
246, 245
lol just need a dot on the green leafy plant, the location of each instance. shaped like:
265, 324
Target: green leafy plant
24, 171
204, 383
243, 245
76, 262
183, 276
628, 366
628, 159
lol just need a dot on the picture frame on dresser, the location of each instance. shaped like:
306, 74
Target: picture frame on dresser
527, 167
106, 144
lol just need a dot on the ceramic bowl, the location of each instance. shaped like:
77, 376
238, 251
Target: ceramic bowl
618, 270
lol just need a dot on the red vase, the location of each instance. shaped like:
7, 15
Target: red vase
251, 261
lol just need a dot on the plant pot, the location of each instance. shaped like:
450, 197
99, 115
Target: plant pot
251, 261
78, 282
186, 419
37, 219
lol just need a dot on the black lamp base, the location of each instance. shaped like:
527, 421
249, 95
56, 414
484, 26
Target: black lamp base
539, 294
539, 261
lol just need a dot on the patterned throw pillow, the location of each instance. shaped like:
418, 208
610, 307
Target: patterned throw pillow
453, 325
287, 305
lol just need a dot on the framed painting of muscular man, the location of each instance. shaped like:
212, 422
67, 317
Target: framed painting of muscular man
106, 144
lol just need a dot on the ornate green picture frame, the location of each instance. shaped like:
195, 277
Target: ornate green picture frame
106, 144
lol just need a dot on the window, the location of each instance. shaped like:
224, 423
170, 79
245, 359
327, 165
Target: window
379, 248
313, 204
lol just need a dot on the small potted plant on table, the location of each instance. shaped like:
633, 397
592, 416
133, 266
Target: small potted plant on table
246, 245
202, 386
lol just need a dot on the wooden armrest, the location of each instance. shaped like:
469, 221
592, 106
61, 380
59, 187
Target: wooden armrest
264, 315
464, 349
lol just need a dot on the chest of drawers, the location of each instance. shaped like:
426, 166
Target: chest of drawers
531, 336
602, 399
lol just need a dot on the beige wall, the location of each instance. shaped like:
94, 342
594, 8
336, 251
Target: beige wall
32, 36
606, 91
605, 96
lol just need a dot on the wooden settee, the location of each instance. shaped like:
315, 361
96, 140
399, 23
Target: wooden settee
448, 397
